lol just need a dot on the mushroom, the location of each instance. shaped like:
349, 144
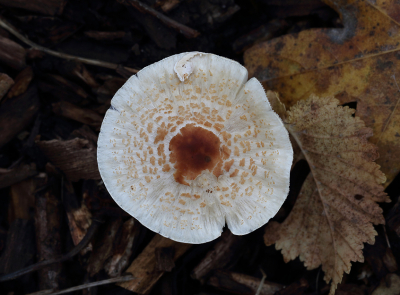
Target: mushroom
189, 144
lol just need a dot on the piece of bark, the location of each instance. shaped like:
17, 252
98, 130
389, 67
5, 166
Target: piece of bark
48, 7
20, 246
296, 288
123, 249
85, 132
105, 36
22, 200
17, 174
11, 53
238, 283
17, 113
48, 216
221, 254
102, 248
5, 84
144, 267
22, 82
85, 116
79, 217
165, 258
74, 157
62, 88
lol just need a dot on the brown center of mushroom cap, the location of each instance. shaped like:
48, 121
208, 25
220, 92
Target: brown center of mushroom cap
193, 150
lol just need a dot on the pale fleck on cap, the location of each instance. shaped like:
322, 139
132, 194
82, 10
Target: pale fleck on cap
185, 155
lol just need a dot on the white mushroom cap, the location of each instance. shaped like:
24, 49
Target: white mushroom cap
184, 158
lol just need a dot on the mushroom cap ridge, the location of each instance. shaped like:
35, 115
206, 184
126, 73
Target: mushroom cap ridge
184, 158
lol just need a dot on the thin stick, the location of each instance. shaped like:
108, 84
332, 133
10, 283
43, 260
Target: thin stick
84, 286
10, 28
387, 239
184, 30
82, 244
261, 282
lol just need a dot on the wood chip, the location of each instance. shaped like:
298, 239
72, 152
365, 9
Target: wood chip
22, 201
79, 217
22, 82
16, 114
144, 267
74, 157
5, 83
123, 249
17, 174
82, 115
102, 248
48, 217
12, 54
222, 253
20, 246
165, 258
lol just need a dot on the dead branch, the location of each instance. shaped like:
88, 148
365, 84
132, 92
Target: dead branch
7, 26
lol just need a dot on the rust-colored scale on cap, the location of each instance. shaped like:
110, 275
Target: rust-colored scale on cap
193, 150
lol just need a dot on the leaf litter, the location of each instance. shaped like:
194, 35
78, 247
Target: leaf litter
337, 206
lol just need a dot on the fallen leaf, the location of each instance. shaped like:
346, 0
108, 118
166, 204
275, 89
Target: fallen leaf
336, 208
360, 62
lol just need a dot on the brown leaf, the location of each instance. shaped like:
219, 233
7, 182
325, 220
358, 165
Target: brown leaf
336, 208
276, 104
360, 62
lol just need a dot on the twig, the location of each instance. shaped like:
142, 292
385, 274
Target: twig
261, 282
84, 286
82, 244
10, 28
184, 30
387, 239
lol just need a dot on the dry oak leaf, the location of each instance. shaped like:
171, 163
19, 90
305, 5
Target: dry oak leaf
336, 208
360, 62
